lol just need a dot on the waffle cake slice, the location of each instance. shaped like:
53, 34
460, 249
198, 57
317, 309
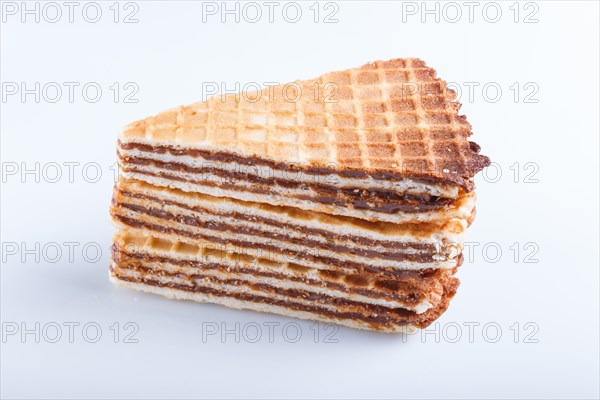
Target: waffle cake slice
343, 199
206, 272
308, 238
382, 142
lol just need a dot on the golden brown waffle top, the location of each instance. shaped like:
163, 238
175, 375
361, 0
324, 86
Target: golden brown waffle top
391, 116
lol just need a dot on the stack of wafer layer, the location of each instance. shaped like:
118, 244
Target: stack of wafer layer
341, 199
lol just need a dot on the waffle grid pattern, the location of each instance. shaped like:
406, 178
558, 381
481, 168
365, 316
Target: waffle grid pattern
384, 116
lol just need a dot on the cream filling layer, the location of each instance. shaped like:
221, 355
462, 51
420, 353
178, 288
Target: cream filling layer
263, 171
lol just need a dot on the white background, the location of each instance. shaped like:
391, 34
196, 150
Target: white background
168, 54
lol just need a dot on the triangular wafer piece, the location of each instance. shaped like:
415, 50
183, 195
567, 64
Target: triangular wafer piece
204, 273
381, 142
314, 240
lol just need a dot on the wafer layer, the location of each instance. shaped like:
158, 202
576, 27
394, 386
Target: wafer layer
308, 238
388, 142
416, 291
139, 262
